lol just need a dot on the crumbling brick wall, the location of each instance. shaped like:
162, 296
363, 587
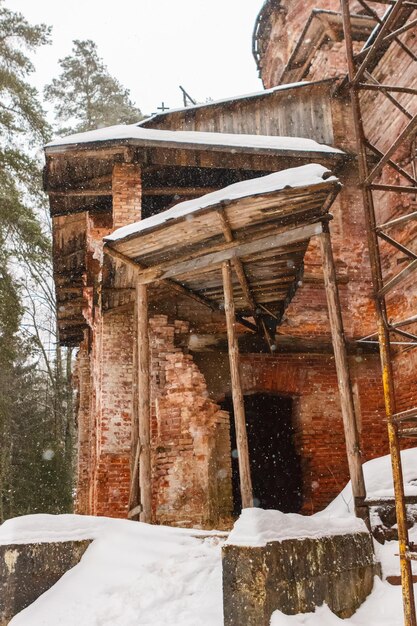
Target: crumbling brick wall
190, 436
191, 465
285, 25
330, 60
127, 194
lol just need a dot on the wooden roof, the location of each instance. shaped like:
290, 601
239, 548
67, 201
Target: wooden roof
264, 235
78, 170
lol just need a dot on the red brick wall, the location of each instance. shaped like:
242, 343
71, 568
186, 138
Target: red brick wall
190, 435
310, 379
307, 314
398, 68
104, 371
114, 418
330, 60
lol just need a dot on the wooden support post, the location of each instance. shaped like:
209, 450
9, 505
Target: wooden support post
237, 395
144, 404
343, 375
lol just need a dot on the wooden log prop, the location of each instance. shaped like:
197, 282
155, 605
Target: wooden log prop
343, 375
237, 395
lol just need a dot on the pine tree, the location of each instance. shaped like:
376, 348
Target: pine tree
22, 123
34, 473
86, 96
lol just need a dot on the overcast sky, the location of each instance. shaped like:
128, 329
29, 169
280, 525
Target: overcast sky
152, 46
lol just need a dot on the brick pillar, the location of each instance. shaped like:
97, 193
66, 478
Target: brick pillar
127, 194
113, 388
82, 381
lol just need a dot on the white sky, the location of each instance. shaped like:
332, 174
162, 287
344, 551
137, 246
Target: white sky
152, 46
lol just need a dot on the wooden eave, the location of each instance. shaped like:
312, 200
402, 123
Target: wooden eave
111, 147
268, 235
321, 26
78, 177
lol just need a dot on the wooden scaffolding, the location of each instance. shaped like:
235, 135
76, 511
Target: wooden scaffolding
396, 26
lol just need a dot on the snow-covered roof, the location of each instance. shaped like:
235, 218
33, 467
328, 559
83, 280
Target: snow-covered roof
303, 176
146, 137
246, 96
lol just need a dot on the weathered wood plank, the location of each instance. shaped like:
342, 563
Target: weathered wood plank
226, 252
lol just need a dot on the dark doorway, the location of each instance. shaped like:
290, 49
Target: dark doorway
275, 465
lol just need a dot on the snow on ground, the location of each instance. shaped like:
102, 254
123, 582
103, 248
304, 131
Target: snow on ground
378, 480
132, 574
140, 575
305, 175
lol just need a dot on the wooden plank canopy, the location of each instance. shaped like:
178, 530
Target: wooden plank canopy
270, 234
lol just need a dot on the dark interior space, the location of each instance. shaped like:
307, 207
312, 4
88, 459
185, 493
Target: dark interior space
275, 465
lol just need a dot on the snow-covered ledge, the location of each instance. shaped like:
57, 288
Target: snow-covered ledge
292, 563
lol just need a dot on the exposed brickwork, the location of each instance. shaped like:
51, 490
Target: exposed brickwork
112, 479
127, 194
82, 382
330, 60
311, 381
285, 26
190, 436
306, 315
111, 410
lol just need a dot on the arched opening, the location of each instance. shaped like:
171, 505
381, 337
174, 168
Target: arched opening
274, 462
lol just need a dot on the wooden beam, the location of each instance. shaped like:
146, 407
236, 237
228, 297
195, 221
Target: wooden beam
177, 191
144, 404
227, 251
155, 191
171, 284
342, 368
237, 394
237, 263
80, 192
243, 281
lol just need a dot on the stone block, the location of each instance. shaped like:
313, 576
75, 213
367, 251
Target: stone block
28, 570
296, 575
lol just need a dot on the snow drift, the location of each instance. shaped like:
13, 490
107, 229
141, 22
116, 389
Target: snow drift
140, 575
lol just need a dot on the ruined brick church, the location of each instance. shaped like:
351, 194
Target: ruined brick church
102, 183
